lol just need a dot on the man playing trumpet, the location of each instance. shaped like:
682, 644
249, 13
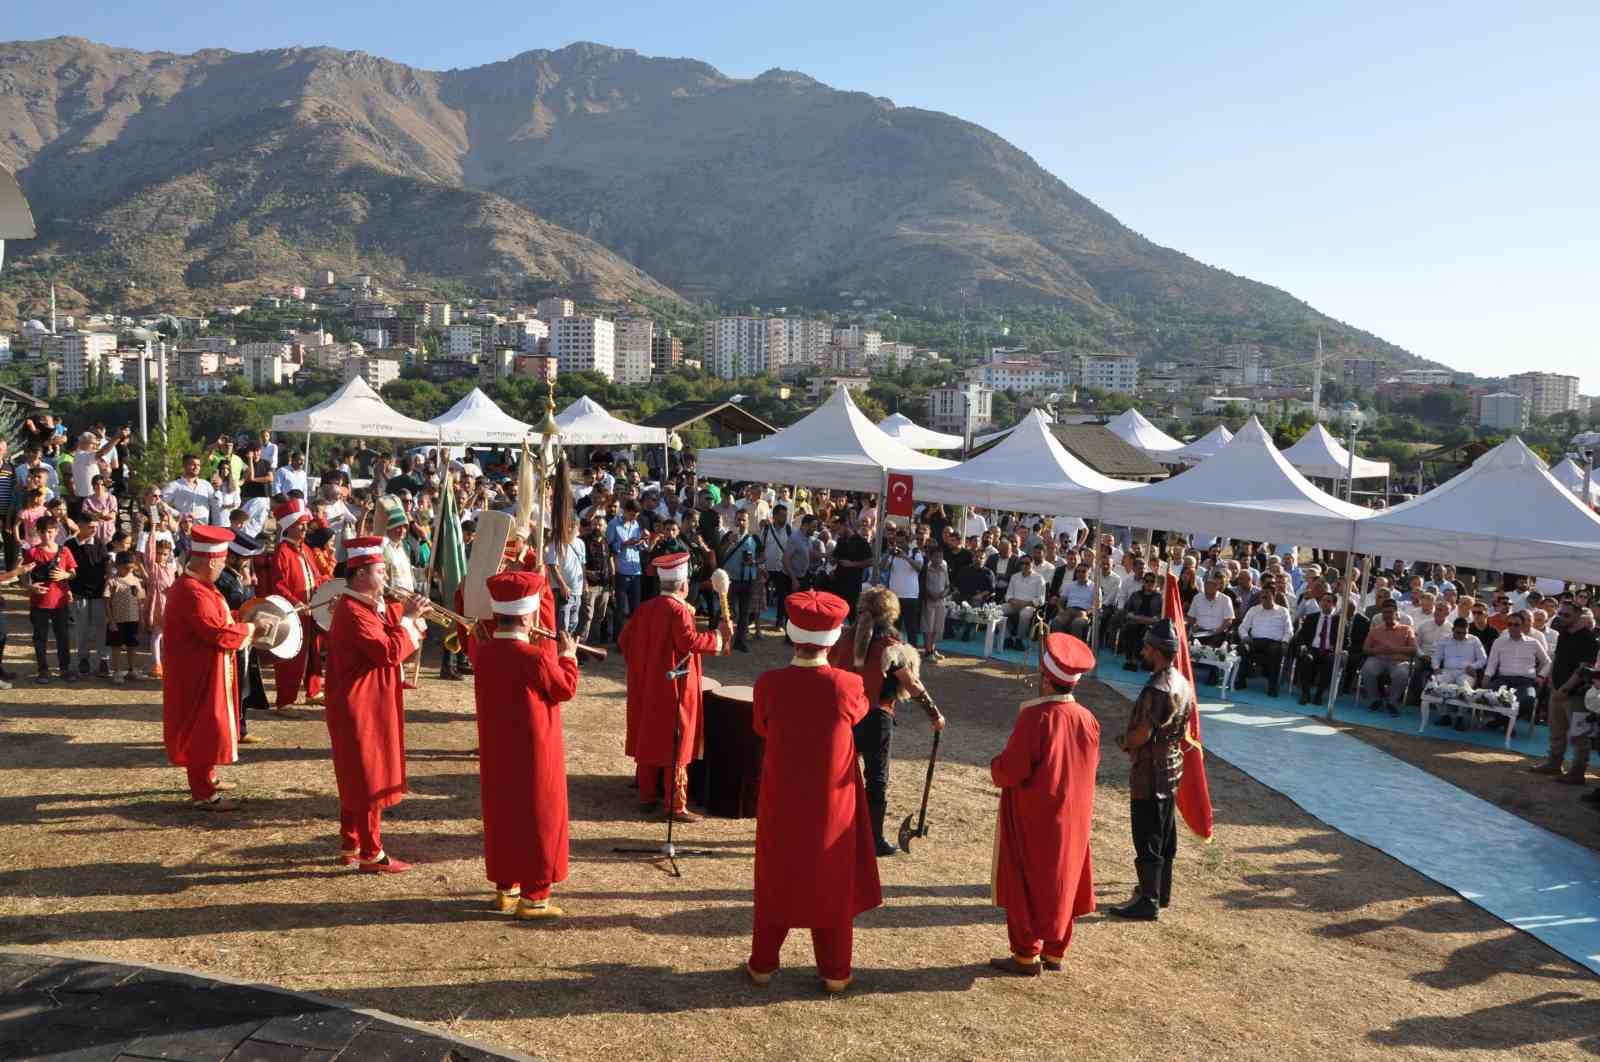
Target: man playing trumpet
367, 640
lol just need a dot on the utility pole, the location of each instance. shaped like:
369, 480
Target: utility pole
1316, 383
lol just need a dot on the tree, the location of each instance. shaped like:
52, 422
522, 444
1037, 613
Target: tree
159, 462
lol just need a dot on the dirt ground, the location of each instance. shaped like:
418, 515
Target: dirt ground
1286, 940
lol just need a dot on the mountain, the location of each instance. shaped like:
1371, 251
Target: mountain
203, 171
200, 175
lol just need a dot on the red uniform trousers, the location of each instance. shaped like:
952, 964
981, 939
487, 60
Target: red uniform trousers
303, 669
202, 782
1025, 943
649, 777
361, 831
831, 946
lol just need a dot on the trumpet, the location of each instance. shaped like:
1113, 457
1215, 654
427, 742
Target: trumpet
433, 613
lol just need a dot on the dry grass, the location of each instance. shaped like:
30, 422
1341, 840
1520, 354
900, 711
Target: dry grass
1288, 940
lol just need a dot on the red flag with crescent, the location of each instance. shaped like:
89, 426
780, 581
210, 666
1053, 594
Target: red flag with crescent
1194, 794
900, 495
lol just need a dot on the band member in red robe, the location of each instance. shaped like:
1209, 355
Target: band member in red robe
816, 866
1042, 872
294, 576
367, 640
663, 652
197, 697
521, 755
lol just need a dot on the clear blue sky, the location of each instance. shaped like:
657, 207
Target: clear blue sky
1428, 172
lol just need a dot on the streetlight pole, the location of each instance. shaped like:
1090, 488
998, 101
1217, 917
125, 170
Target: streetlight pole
1350, 470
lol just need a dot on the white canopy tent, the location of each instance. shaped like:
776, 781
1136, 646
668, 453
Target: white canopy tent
1505, 513
1247, 488
1133, 428
476, 419
1207, 446
1320, 455
908, 432
354, 409
834, 445
1028, 470
1569, 474
586, 423
16, 220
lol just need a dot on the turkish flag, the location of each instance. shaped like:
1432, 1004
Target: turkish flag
900, 496
1194, 794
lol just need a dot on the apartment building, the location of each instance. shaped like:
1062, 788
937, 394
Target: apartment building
958, 410
585, 344
464, 339
666, 352
376, 371
635, 337
555, 308
1545, 394
268, 369
1116, 373
1019, 376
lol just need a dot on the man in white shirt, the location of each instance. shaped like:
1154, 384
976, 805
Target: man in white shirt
1080, 600
190, 495
292, 476
1024, 598
1211, 613
395, 559
1517, 661
86, 458
269, 449
1458, 659
773, 539
975, 524
905, 563
1267, 628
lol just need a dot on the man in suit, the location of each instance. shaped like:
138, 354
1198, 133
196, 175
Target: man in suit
1314, 644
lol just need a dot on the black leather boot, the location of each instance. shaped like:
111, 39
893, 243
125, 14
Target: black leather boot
879, 808
1143, 906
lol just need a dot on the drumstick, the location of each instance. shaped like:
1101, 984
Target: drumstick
590, 651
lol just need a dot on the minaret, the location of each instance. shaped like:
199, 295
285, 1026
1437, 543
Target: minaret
52, 307
1316, 382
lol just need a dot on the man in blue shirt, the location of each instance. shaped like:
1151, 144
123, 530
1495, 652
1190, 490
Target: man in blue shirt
626, 537
736, 555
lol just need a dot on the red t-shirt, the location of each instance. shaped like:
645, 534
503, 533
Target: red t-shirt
55, 593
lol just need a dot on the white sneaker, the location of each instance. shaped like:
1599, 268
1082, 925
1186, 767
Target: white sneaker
117, 679
4, 685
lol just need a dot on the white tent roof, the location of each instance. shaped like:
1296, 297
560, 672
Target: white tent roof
1028, 470
16, 220
1505, 513
1319, 454
834, 445
908, 432
476, 419
1208, 445
1570, 475
586, 423
354, 409
1247, 488
1133, 428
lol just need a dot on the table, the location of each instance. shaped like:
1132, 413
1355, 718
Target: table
1433, 700
1225, 671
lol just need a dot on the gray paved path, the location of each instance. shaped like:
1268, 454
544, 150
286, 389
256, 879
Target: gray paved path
79, 1009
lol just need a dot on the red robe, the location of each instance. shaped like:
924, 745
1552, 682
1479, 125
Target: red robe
294, 572
197, 718
365, 708
1046, 775
656, 639
522, 757
816, 865
296, 580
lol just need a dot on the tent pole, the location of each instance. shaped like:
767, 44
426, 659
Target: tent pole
1099, 593
883, 518
1336, 676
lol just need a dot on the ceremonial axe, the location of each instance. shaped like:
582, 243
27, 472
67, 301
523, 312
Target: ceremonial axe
921, 830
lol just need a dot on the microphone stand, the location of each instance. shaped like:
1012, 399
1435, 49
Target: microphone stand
671, 852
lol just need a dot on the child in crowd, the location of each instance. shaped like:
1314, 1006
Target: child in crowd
160, 572
49, 568
29, 515
92, 556
320, 542
124, 591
